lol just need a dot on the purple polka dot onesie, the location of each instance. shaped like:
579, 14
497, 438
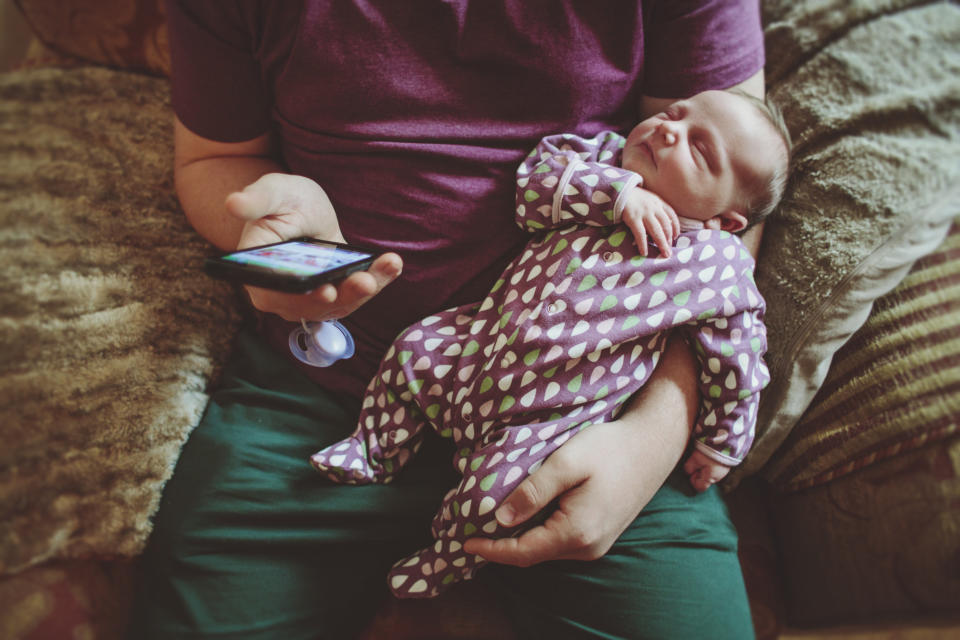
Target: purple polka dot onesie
571, 330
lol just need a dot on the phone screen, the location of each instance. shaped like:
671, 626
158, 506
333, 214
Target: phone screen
297, 265
298, 258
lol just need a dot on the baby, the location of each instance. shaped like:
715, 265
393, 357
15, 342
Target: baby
576, 324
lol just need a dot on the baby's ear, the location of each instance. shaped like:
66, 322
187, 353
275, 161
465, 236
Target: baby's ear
732, 221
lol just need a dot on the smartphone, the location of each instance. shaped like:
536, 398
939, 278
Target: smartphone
294, 266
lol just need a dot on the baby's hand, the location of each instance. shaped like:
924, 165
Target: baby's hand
704, 471
647, 214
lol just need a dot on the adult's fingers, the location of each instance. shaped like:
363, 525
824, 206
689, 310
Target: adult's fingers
360, 286
330, 301
280, 206
549, 541
553, 540
251, 204
271, 194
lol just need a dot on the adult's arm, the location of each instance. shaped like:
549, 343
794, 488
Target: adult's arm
236, 195
230, 184
207, 171
603, 477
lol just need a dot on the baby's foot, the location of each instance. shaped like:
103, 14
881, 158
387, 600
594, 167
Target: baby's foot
350, 462
431, 571
346, 462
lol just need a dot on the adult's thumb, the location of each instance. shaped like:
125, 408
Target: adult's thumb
253, 203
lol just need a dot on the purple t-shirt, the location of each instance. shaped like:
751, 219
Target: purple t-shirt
413, 116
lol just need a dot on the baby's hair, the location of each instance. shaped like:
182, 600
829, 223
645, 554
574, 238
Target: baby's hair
762, 199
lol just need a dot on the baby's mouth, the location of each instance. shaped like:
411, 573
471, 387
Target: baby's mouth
649, 151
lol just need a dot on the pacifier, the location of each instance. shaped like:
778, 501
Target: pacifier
320, 344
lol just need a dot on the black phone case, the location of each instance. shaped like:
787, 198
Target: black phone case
259, 277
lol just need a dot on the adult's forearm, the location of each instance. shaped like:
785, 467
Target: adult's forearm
662, 414
203, 185
207, 171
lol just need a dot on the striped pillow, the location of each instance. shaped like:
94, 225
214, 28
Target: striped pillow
894, 386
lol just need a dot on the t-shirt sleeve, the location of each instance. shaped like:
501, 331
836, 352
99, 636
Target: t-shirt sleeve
218, 90
695, 45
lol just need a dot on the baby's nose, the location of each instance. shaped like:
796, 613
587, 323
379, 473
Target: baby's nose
669, 134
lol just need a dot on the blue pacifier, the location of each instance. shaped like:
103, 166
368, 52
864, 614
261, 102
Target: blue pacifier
320, 344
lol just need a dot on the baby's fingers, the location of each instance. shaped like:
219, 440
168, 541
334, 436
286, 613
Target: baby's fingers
639, 233
671, 228
674, 222
662, 238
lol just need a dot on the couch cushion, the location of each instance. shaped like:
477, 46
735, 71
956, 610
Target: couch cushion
870, 91
894, 386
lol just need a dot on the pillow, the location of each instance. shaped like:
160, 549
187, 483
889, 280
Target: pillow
894, 386
126, 34
870, 92
110, 331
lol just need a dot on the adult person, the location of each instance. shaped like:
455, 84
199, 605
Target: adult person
400, 125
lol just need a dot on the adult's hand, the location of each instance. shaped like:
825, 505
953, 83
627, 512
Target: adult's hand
280, 207
599, 493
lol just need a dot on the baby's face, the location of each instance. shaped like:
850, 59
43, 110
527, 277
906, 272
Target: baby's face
700, 152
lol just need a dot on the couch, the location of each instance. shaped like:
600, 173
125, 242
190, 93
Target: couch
110, 336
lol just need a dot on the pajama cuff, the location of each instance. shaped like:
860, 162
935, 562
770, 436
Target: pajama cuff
713, 454
573, 159
633, 180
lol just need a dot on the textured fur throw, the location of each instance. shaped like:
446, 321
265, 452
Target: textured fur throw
109, 330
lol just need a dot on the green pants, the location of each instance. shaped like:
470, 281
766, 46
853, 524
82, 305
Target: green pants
250, 542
